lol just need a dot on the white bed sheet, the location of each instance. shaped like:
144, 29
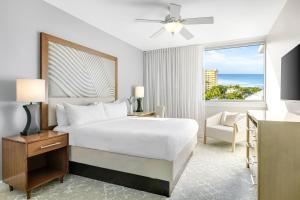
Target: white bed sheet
159, 138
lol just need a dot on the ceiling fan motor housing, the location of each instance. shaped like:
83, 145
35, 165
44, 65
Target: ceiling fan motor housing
169, 19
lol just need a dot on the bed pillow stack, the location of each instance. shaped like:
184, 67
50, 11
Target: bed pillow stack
78, 115
68, 114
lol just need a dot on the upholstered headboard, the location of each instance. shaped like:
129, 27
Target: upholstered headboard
74, 74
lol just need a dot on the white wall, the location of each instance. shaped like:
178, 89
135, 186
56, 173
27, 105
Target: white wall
20, 24
284, 36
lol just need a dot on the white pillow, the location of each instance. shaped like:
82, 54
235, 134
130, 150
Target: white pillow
79, 115
61, 116
115, 110
228, 118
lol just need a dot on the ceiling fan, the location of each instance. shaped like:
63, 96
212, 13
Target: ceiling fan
173, 22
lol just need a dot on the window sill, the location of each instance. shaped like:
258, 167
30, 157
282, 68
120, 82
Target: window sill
247, 104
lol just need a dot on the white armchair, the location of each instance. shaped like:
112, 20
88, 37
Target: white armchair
215, 129
160, 111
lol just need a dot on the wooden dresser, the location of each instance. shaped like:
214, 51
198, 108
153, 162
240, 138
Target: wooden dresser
30, 161
273, 154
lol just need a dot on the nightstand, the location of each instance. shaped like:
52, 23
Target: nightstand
141, 114
31, 161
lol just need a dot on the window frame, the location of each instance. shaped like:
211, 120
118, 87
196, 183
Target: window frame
236, 45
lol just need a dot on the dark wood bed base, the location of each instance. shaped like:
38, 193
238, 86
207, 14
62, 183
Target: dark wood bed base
143, 183
156, 186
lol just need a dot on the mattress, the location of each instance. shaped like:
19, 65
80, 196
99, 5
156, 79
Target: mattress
158, 138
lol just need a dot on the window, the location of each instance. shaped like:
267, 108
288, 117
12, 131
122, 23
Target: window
235, 73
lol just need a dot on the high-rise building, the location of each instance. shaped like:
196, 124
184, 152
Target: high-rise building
211, 78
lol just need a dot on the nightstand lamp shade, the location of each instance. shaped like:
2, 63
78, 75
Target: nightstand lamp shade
139, 94
30, 90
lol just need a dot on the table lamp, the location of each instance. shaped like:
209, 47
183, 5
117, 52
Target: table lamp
30, 91
139, 94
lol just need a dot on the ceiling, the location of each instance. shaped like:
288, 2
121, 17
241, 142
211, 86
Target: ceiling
234, 19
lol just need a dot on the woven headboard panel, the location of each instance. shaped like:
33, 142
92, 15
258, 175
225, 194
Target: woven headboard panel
74, 74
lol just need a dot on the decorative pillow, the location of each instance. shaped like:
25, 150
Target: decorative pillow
228, 119
115, 110
78, 115
61, 116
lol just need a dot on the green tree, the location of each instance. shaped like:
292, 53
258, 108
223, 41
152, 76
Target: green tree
212, 93
230, 92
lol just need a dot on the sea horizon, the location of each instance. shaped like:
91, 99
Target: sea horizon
244, 80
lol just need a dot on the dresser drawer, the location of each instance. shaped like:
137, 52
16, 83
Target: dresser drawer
43, 146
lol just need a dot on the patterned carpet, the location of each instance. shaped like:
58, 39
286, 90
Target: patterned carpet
213, 173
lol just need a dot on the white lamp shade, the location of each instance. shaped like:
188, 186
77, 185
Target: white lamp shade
30, 90
139, 92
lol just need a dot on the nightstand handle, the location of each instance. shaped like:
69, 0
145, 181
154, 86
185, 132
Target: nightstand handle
50, 145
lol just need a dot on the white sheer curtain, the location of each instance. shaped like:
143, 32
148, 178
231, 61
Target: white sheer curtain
173, 78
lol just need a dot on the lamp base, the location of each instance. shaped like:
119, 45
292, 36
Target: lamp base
139, 105
32, 125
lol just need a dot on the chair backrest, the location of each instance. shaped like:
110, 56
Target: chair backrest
226, 113
160, 111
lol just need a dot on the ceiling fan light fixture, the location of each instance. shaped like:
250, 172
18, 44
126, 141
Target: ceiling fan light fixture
173, 27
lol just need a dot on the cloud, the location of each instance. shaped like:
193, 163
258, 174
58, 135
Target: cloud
234, 62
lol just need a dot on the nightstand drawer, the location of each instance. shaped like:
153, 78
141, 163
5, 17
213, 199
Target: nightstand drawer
43, 146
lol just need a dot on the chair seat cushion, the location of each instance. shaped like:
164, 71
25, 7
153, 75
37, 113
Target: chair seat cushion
220, 132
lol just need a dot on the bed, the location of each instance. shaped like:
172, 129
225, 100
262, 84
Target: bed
147, 154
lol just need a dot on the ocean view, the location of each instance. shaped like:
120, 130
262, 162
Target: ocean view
235, 73
244, 80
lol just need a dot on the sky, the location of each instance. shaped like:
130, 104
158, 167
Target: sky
239, 60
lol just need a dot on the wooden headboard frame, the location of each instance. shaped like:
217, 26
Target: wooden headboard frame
44, 41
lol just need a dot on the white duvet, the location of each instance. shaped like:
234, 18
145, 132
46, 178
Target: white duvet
159, 138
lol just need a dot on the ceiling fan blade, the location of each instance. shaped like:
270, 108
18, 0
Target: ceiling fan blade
149, 20
174, 10
186, 34
158, 33
198, 20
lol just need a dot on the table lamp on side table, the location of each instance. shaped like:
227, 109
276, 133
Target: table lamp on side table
30, 91
139, 94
